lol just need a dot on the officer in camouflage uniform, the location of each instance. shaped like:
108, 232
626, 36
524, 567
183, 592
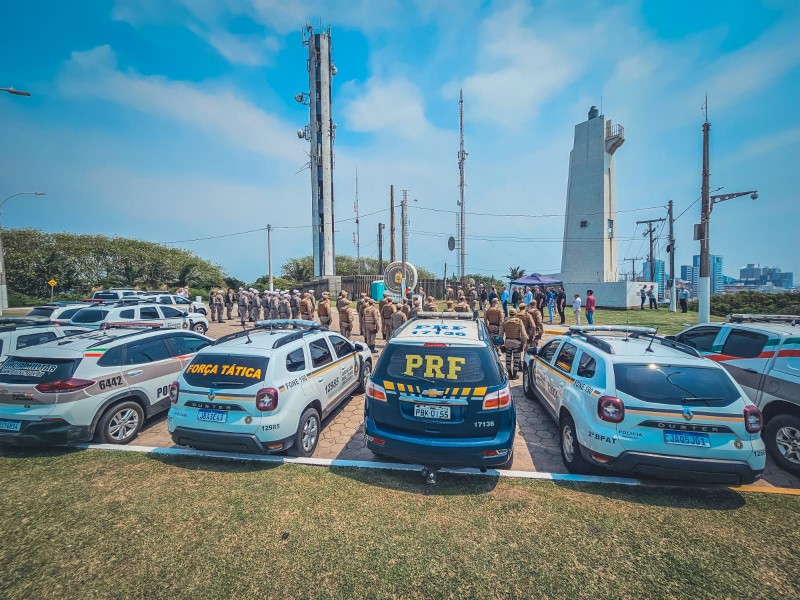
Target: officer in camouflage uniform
230, 299
450, 306
493, 317
462, 305
294, 302
306, 308
219, 303
371, 324
387, 310
527, 320
538, 324
360, 306
398, 318
345, 314
449, 295
515, 339
430, 305
324, 309
255, 306
284, 309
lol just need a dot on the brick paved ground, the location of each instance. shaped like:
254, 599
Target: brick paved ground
536, 447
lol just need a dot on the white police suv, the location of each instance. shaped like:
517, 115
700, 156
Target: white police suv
99, 384
139, 312
642, 405
266, 389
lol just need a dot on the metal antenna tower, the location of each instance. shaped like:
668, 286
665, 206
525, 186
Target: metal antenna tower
462, 157
357, 234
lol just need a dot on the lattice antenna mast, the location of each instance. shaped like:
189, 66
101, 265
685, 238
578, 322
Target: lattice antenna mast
462, 157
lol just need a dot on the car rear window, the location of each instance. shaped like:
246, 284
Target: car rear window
676, 384
36, 370
105, 296
225, 371
41, 311
89, 315
441, 364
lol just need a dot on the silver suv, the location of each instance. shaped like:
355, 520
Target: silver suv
762, 353
135, 311
101, 384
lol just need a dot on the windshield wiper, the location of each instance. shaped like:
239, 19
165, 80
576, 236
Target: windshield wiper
699, 400
431, 381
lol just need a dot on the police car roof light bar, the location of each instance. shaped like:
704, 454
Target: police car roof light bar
296, 323
422, 314
747, 317
130, 325
613, 328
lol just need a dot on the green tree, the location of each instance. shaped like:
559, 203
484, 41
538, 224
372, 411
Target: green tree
515, 273
302, 269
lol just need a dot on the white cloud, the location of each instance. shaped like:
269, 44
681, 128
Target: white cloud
395, 106
212, 108
251, 51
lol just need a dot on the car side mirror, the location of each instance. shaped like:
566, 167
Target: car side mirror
359, 346
185, 314
533, 351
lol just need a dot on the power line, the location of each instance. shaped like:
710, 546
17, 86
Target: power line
529, 216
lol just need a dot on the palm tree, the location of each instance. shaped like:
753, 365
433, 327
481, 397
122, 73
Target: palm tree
515, 273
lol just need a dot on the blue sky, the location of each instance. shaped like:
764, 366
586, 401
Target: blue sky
171, 120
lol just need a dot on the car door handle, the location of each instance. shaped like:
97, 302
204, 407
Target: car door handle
753, 371
135, 373
320, 379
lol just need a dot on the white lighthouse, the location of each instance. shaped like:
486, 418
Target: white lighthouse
590, 259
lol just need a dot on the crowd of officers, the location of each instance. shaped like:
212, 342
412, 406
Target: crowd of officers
521, 329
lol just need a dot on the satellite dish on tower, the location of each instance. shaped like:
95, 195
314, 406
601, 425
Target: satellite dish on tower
451, 243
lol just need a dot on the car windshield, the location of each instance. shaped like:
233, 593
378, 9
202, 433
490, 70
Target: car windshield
36, 370
41, 311
439, 365
676, 384
89, 315
219, 371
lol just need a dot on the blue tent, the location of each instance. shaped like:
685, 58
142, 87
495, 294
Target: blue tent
537, 279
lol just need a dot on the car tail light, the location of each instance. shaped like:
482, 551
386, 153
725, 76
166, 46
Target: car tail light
610, 409
376, 441
174, 392
65, 385
434, 345
753, 419
375, 391
267, 399
499, 399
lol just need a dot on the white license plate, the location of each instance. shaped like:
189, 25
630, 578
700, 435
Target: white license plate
10, 425
427, 411
683, 438
215, 416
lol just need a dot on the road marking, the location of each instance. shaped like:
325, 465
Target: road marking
365, 464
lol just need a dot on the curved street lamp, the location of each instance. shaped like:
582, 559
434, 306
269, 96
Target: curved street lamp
14, 92
3, 287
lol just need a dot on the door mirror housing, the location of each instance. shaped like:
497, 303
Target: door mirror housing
533, 351
359, 346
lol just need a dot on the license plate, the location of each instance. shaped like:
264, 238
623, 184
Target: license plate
683, 438
426, 411
215, 416
10, 425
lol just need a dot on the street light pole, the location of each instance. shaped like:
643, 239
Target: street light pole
3, 287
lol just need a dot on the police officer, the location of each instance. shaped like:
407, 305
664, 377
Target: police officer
371, 323
493, 317
324, 309
230, 299
398, 318
294, 302
527, 320
430, 305
386, 315
255, 306
273, 305
243, 305
346, 316
360, 306
284, 308
462, 305
514, 345
219, 302
449, 294
450, 307
538, 323
306, 307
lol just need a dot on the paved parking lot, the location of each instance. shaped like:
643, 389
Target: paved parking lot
536, 447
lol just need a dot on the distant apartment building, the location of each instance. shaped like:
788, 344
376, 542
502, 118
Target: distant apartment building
692, 274
659, 275
756, 275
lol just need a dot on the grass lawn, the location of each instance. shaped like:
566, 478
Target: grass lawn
667, 322
91, 524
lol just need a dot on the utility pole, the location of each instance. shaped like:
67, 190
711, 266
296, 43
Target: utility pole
357, 239
404, 244
671, 250
269, 255
704, 281
380, 247
651, 231
392, 256
633, 266
462, 157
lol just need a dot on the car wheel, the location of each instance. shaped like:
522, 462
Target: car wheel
366, 371
121, 423
782, 438
199, 328
307, 436
526, 384
570, 448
